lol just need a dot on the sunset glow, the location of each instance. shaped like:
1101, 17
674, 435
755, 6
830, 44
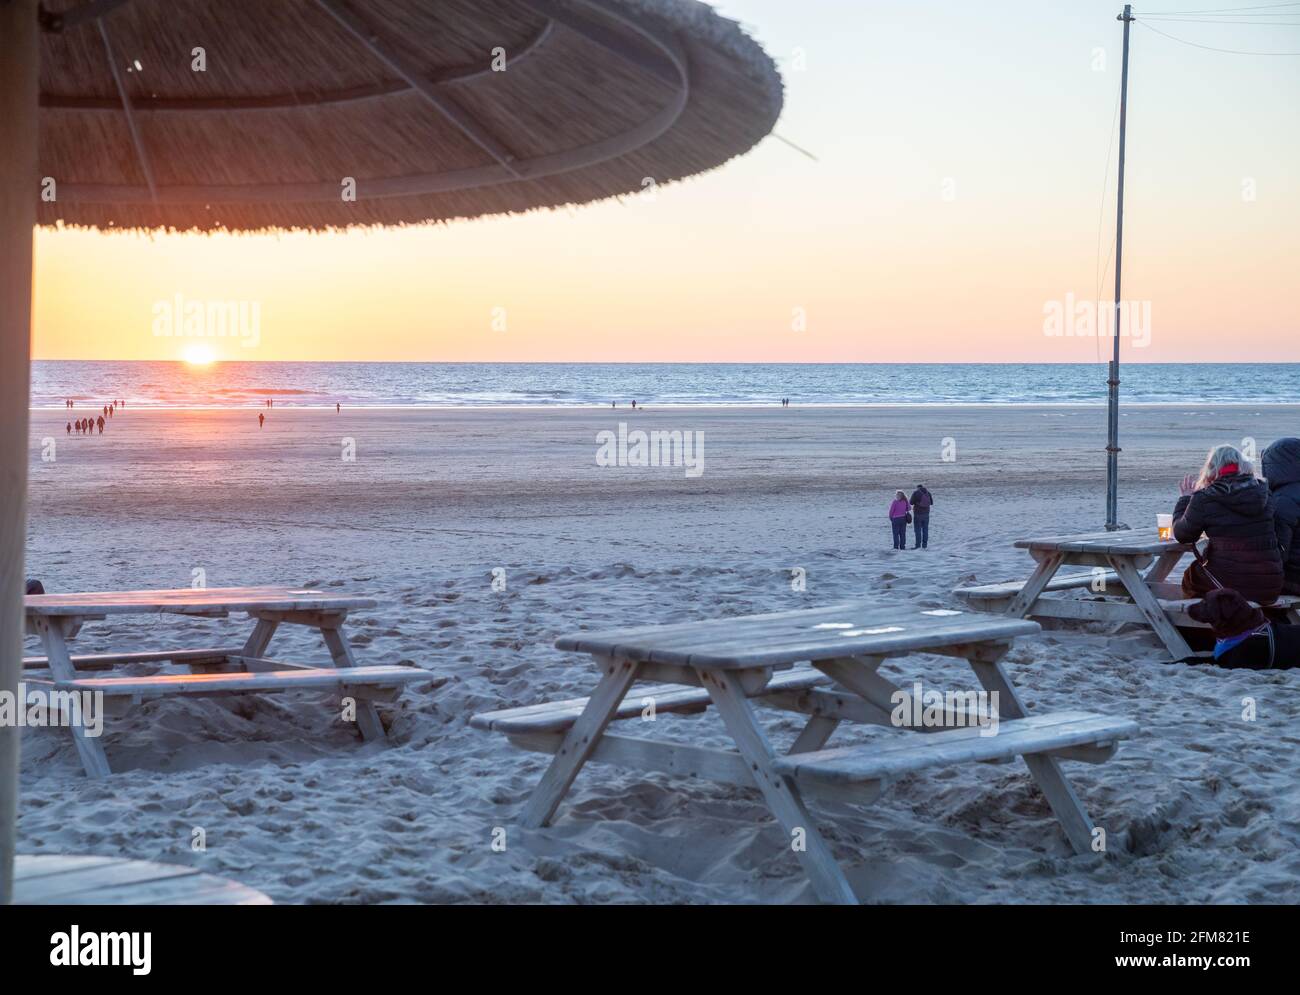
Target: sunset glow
937, 223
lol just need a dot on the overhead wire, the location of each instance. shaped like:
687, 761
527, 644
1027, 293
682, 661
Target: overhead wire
1209, 48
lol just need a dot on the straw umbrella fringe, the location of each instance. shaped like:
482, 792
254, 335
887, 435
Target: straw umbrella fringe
331, 113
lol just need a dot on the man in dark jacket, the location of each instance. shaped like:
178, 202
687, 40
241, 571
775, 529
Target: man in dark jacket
921, 501
1236, 511
1281, 465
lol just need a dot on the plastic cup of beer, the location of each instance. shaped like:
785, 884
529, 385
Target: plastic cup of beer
1165, 526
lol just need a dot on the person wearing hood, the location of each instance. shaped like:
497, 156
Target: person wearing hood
1280, 464
1232, 506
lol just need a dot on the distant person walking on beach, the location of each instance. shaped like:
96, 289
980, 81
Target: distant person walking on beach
69, 428
101, 424
338, 408
260, 419
898, 519
922, 500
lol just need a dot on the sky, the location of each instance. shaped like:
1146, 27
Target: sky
953, 213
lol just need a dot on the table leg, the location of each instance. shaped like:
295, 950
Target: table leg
1046, 771
860, 676
781, 793
1149, 605
260, 638
815, 734
52, 630
1022, 603
615, 679
330, 628
1163, 567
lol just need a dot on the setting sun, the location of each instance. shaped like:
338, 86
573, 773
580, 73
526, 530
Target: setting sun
198, 355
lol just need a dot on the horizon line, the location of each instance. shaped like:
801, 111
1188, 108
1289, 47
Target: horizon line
680, 362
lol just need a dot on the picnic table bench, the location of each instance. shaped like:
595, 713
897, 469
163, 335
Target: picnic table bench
735, 664
58, 618
46, 879
1128, 582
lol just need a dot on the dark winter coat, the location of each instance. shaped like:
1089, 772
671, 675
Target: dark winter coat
1280, 464
1236, 512
921, 502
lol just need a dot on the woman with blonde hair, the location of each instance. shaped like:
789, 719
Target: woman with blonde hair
1232, 506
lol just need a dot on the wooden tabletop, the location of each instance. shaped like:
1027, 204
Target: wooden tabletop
187, 600
850, 629
1122, 542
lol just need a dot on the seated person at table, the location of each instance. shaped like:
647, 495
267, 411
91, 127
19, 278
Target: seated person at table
1280, 464
1243, 637
1234, 508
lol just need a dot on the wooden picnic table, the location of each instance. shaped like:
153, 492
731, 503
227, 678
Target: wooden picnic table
734, 664
1126, 552
1129, 582
57, 619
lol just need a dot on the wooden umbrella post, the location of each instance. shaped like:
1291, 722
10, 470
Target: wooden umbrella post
18, 192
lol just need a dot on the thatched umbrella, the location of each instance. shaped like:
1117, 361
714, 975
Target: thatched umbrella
265, 114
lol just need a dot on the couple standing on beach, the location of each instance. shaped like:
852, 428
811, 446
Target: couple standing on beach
916, 511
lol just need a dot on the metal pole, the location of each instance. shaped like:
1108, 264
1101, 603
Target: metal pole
1112, 382
19, 189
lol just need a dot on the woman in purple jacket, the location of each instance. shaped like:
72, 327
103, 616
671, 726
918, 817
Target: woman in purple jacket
898, 518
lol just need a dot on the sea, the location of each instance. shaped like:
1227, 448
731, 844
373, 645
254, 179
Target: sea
560, 385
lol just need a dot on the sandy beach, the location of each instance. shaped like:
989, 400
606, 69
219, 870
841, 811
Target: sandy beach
1202, 807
